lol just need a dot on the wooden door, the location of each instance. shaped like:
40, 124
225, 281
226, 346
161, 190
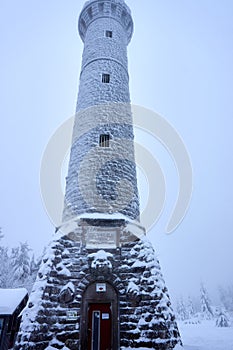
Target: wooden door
99, 326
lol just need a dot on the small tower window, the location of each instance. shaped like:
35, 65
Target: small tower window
108, 34
105, 78
104, 140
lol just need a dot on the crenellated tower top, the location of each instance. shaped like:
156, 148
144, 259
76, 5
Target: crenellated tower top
114, 9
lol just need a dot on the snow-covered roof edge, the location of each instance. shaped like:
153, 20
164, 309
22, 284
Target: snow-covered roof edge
10, 299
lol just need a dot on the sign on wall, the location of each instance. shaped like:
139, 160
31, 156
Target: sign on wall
71, 315
101, 287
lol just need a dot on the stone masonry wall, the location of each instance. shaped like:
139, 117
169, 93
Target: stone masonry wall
146, 317
112, 9
103, 179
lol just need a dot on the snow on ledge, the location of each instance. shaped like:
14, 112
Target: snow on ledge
10, 299
68, 226
107, 216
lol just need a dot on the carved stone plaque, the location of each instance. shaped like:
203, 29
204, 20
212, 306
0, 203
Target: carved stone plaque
100, 238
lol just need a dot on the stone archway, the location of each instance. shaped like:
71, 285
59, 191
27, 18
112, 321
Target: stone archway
99, 305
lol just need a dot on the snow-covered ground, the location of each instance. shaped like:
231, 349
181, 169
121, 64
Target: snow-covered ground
202, 336
206, 336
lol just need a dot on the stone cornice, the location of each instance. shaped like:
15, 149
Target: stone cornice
105, 9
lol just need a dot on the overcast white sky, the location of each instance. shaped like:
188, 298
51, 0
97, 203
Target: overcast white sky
180, 64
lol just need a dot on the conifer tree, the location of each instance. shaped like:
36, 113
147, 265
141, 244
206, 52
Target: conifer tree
17, 269
206, 309
4, 265
190, 308
222, 320
181, 310
33, 265
226, 297
20, 264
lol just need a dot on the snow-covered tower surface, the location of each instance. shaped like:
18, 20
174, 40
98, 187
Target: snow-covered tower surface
100, 285
102, 145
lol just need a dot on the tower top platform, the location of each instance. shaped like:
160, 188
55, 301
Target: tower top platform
114, 9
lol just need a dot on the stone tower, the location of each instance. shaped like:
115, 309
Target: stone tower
103, 131
100, 285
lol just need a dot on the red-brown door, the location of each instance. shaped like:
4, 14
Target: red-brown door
99, 327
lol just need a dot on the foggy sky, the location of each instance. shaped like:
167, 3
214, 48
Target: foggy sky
180, 65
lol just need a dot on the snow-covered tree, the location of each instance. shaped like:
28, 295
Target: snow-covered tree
223, 320
20, 264
33, 265
182, 312
190, 308
206, 309
17, 269
4, 266
226, 297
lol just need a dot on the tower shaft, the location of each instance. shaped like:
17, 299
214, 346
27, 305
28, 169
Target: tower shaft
102, 172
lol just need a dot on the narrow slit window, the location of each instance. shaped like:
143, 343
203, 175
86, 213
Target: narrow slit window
105, 78
108, 34
104, 140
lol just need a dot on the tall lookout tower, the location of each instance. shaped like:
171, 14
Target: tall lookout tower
100, 285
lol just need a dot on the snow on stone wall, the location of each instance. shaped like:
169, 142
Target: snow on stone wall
114, 9
146, 317
95, 173
103, 179
93, 92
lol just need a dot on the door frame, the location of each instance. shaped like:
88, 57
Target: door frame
92, 326
90, 296
103, 333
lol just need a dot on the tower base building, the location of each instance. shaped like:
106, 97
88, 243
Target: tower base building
109, 298
100, 286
